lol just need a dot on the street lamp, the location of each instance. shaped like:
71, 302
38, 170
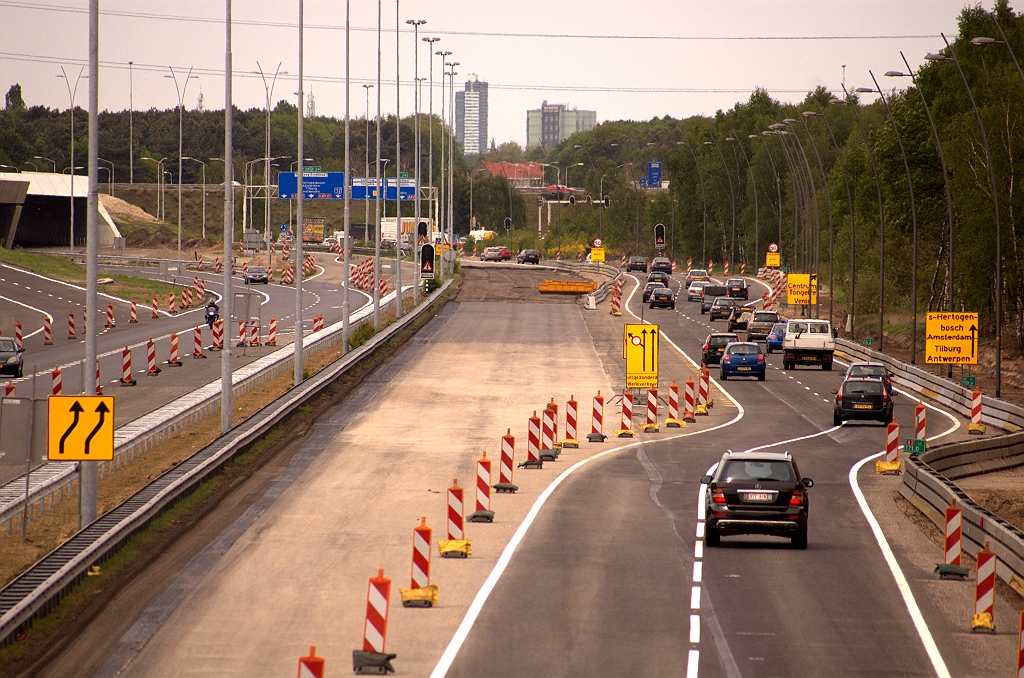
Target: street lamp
35, 168
71, 111
732, 197
754, 186
704, 201
417, 144
110, 174
778, 130
775, 172
159, 184
39, 157
181, 128
204, 190
945, 182
913, 218
831, 231
268, 90
811, 258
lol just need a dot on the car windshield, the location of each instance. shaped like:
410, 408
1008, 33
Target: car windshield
724, 302
765, 317
256, 270
7, 345
652, 285
721, 340
779, 329
736, 282
698, 272
868, 371
797, 328
744, 349
637, 260
745, 470
867, 387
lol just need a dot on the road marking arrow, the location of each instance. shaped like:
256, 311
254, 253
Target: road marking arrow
77, 409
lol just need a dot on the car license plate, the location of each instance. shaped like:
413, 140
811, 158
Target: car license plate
862, 406
743, 369
809, 358
757, 496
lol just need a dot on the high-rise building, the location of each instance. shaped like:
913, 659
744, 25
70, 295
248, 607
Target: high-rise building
471, 116
553, 123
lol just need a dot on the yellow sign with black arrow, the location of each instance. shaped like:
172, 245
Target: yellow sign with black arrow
640, 349
80, 428
951, 338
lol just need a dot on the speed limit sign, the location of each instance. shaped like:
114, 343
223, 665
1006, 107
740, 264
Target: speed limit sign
598, 242
773, 248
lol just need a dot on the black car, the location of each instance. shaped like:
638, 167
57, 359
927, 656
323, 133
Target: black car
721, 308
714, 347
256, 274
658, 276
636, 264
649, 288
871, 371
663, 264
662, 297
862, 398
756, 493
737, 288
708, 296
739, 318
11, 357
528, 257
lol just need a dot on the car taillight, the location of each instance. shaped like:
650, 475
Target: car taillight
705, 345
760, 358
718, 496
887, 381
727, 358
839, 396
797, 498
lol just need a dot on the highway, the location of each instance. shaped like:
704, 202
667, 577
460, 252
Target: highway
597, 567
27, 296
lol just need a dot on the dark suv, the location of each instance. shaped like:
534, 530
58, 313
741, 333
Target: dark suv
708, 296
663, 264
11, 358
721, 308
738, 288
528, 257
714, 347
636, 264
862, 398
756, 493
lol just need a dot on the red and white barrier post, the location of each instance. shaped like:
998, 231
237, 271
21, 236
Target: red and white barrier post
547, 430
71, 325
533, 439
627, 415
1020, 647
920, 421
241, 334
984, 591
673, 420
976, 426
218, 335
10, 389
375, 628
652, 411
570, 424
18, 336
127, 378
56, 381
272, 332
507, 464
152, 370
421, 593
456, 545
133, 313
953, 550
171, 304
254, 332
891, 463
110, 315
597, 420
483, 512
702, 391
172, 359
156, 309
47, 330
197, 342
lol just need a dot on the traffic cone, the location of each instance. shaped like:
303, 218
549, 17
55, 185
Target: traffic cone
570, 424
456, 545
627, 416
596, 434
953, 546
984, 591
507, 464
483, 512
421, 593
311, 666
651, 425
891, 463
372, 658
673, 420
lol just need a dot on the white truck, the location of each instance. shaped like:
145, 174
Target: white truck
808, 342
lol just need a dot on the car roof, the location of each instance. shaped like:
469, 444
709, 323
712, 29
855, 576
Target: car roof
865, 363
861, 378
661, 258
722, 334
745, 343
732, 280
782, 325
758, 456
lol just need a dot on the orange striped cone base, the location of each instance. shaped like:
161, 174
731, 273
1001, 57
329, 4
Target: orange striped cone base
371, 658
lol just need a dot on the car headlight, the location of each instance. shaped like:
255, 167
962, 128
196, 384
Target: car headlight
13, 360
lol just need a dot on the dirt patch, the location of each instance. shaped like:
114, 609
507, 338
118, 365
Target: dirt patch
508, 284
120, 209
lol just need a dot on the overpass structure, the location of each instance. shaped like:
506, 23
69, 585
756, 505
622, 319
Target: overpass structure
43, 209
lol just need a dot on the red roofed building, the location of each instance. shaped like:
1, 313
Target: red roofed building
519, 174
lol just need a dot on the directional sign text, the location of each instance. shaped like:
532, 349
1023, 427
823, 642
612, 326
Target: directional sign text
951, 338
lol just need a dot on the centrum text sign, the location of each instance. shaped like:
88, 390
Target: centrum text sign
951, 338
802, 288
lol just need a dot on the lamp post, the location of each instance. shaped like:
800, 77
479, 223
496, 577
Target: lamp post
366, 171
226, 363
831, 231
754, 185
181, 129
268, 90
775, 172
881, 225
346, 247
299, 372
204, 190
159, 183
376, 238
291, 168
913, 217
398, 163
451, 155
810, 235
945, 183
39, 157
704, 201
71, 111
732, 197
131, 123
430, 138
417, 143
778, 131
995, 204
441, 196
110, 174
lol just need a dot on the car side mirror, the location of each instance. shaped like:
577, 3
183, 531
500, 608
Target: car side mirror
705, 480
895, 392
808, 482
835, 391
21, 350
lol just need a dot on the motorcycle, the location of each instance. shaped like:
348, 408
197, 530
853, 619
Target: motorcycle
211, 316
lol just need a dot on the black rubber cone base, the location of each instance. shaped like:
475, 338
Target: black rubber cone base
372, 663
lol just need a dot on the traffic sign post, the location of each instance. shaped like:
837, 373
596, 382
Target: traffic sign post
951, 338
81, 428
640, 349
659, 236
427, 262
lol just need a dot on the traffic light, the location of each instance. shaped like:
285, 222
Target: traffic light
508, 223
572, 199
659, 236
607, 201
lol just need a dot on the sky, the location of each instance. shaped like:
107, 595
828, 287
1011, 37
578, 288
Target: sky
626, 60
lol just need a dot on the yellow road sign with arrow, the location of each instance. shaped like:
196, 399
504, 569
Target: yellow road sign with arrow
80, 428
640, 349
951, 338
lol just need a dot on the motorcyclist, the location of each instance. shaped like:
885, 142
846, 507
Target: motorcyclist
212, 313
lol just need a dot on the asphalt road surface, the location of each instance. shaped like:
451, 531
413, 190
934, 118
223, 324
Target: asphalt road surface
597, 567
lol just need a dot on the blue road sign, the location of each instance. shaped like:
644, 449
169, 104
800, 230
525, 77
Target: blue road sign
643, 182
284, 227
654, 175
365, 188
315, 186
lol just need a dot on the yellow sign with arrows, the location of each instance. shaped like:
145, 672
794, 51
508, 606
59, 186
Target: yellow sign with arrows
951, 338
80, 428
640, 349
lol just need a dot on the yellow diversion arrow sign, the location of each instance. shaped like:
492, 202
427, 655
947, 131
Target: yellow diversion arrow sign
80, 428
640, 349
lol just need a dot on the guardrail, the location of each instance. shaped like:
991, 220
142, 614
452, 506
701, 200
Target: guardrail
928, 478
140, 435
34, 592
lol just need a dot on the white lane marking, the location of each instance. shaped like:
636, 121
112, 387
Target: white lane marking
700, 526
695, 629
695, 598
698, 571
31, 308
698, 549
793, 440
691, 664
